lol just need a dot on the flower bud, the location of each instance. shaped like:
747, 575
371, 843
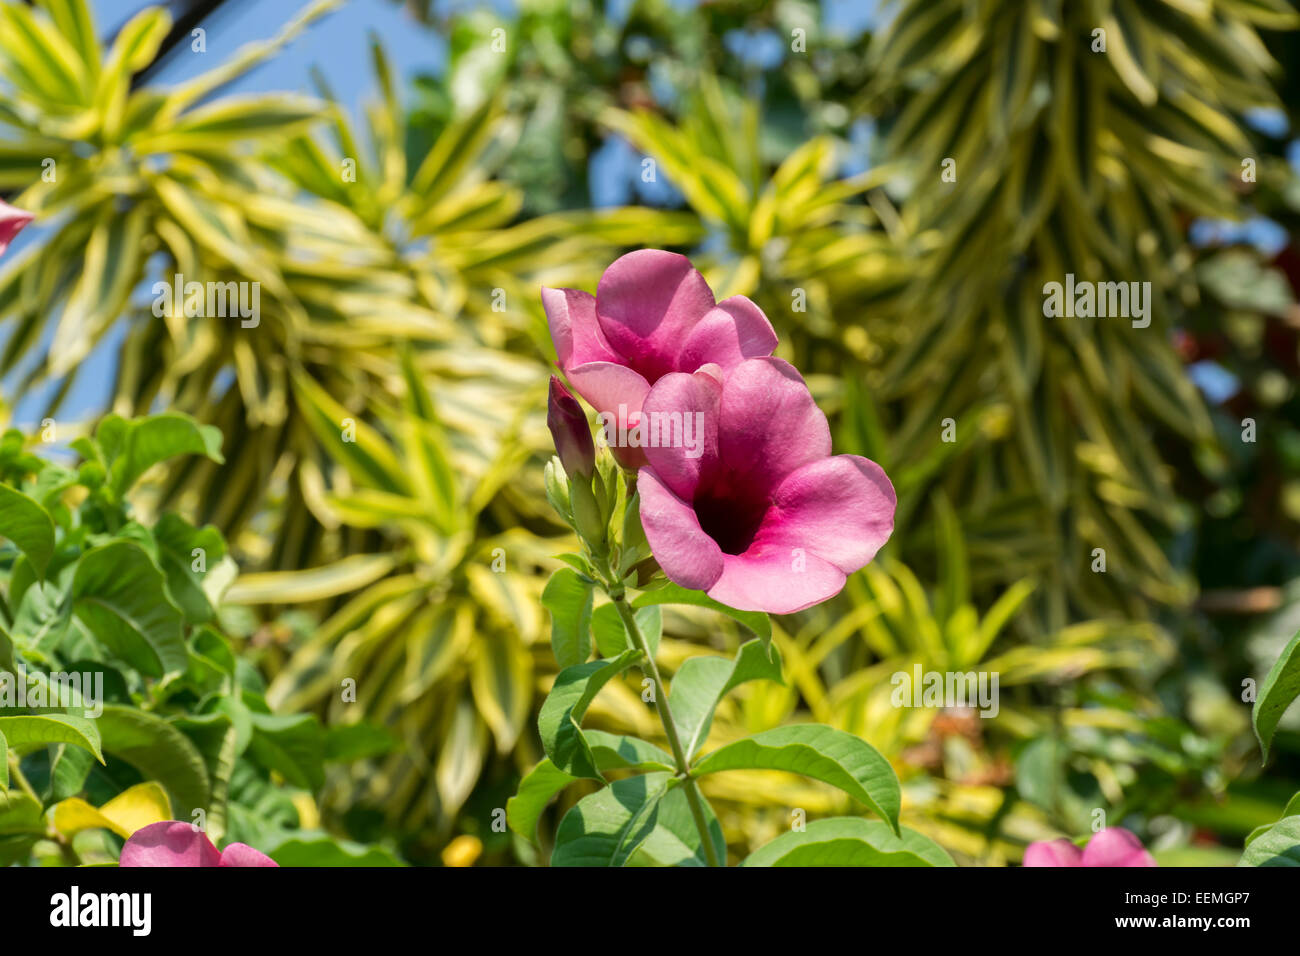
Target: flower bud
572, 434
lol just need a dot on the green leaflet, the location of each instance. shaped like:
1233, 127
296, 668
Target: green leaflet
568, 597
823, 753
756, 621
1279, 845
607, 827
701, 682
849, 841
32, 731
559, 721
544, 781
1279, 689
117, 593
28, 526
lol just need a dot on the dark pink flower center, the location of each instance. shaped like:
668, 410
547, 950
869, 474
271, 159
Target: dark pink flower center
731, 512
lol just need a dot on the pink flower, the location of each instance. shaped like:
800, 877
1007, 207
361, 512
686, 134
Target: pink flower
11, 223
652, 314
172, 843
763, 518
1113, 846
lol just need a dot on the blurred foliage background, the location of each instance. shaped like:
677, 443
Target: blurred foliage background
383, 422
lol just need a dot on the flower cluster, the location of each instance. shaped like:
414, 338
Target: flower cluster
757, 512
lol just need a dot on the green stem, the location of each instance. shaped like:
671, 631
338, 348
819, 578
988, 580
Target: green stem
16, 774
616, 594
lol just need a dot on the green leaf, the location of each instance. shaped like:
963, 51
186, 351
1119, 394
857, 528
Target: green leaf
33, 731
1291, 809
177, 541
568, 597
293, 745
28, 526
160, 752
1277, 846
132, 447
619, 752
675, 840
1280, 688
849, 841
611, 636
605, 828
538, 787
756, 621
323, 850
823, 753
560, 719
544, 781
701, 683
117, 593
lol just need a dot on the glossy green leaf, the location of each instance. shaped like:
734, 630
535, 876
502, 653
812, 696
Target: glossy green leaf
160, 752
560, 719
701, 682
849, 841
820, 752
568, 597
611, 636
1279, 689
606, 827
117, 593
756, 621
28, 526
1279, 845
28, 732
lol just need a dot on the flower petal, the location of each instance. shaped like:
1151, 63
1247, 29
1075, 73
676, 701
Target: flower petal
732, 331
647, 302
571, 315
12, 221
1115, 846
682, 456
241, 854
687, 555
1052, 853
607, 385
840, 509
769, 424
169, 843
763, 579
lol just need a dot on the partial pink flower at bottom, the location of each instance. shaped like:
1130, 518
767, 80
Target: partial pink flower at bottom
173, 843
11, 223
755, 510
1113, 846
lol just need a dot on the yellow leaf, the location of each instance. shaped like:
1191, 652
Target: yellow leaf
141, 805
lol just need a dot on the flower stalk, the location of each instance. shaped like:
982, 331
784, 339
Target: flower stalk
682, 763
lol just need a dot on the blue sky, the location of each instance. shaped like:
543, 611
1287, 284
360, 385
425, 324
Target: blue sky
339, 45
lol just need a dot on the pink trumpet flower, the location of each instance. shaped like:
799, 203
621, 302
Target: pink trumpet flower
11, 223
652, 314
1113, 846
173, 843
759, 513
